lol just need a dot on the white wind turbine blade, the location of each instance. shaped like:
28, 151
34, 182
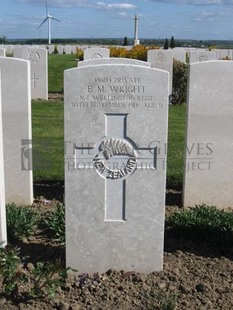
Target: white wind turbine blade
46, 5
43, 22
58, 20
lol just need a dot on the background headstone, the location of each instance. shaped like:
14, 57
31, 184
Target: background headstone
96, 52
16, 111
67, 49
3, 234
225, 53
2, 52
60, 49
51, 48
38, 58
199, 56
179, 54
115, 121
208, 169
17, 51
73, 49
162, 59
9, 48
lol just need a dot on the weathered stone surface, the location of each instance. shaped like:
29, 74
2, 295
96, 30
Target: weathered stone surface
16, 111
3, 235
208, 173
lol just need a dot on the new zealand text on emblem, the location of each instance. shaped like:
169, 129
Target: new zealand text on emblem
116, 159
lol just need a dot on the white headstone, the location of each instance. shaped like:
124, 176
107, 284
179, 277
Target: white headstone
225, 53
73, 49
16, 111
9, 49
2, 52
209, 148
17, 51
179, 54
67, 49
96, 52
38, 58
3, 234
60, 49
199, 56
162, 59
113, 60
51, 48
115, 176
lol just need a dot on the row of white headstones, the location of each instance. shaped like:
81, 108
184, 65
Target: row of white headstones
116, 119
71, 49
161, 59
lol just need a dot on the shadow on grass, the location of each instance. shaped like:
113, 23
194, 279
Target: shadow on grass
49, 190
176, 240
39, 252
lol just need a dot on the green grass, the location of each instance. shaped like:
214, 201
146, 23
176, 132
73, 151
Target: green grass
21, 221
176, 144
203, 223
56, 66
48, 140
55, 222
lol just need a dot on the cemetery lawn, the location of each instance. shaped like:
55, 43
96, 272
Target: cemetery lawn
56, 66
48, 140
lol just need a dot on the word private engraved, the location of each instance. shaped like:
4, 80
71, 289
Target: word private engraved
115, 150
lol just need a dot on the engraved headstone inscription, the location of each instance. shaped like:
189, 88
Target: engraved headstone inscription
115, 159
208, 175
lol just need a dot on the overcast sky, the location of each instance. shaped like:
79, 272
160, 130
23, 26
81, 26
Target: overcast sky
183, 19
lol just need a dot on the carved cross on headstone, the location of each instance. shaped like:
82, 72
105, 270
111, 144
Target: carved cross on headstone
34, 79
115, 158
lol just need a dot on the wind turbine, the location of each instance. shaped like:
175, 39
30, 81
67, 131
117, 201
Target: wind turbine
48, 18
